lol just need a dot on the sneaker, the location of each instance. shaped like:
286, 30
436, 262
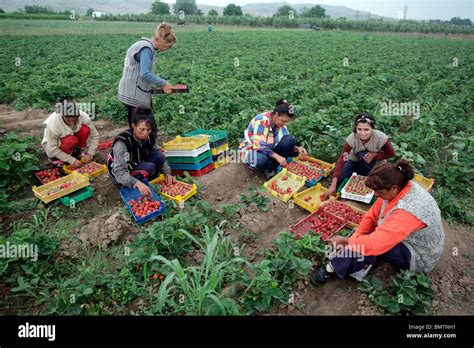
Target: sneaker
319, 276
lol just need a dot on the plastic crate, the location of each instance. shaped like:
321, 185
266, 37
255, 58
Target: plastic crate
328, 168
309, 183
355, 197
41, 191
294, 182
302, 227
105, 144
178, 199
185, 143
221, 163
77, 196
222, 156
189, 153
347, 206
214, 135
38, 180
195, 160
191, 166
68, 170
201, 172
174, 89
426, 183
128, 194
343, 183
314, 193
218, 150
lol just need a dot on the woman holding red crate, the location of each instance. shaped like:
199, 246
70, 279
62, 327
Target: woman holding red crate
135, 154
403, 227
361, 151
68, 132
267, 142
138, 72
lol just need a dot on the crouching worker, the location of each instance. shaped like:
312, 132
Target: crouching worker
267, 142
403, 227
69, 136
135, 155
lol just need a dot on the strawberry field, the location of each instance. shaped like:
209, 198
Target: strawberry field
229, 251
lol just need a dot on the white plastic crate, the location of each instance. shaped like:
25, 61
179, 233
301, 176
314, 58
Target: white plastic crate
346, 195
190, 153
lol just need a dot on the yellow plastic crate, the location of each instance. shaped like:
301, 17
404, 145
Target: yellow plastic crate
328, 168
186, 143
68, 170
41, 191
294, 181
314, 192
222, 162
426, 183
217, 150
178, 199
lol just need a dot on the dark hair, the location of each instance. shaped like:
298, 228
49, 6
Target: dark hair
284, 108
363, 117
68, 108
386, 175
143, 115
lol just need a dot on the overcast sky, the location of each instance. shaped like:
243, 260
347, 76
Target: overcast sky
417, 9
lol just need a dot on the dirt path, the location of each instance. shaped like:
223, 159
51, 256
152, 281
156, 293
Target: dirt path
452, 278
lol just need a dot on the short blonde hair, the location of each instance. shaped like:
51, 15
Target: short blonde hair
164, 33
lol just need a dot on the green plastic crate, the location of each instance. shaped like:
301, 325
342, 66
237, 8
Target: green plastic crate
193, 160
214, 135
78, 196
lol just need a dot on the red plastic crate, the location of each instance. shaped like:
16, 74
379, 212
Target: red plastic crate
203, 171
302, 227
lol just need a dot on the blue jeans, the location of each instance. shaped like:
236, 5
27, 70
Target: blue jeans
399, 256
152, 164
285, 148
361, 167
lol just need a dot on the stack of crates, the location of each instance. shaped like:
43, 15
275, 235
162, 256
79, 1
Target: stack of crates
191, 154
218, 143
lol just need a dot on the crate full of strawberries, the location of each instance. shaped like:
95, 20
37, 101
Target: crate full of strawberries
355, 189
284, 185
47, 175
142, 208
311, 174
352, 214
320, 223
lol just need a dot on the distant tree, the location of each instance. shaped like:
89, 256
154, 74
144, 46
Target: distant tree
233, 10
37, 9
89, 12
459, 21
199, 12
315, 12
160, 8
213, 13
1, 10
284, 11
188, 6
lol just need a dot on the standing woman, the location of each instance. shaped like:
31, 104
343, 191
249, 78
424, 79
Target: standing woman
138, 72
361, 151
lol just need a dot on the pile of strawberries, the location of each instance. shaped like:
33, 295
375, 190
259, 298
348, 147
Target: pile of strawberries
177, 189
357, 186
89, 168
274, 187
61, 187
48, 175
144, 206
343, 211
325, 224
302, 170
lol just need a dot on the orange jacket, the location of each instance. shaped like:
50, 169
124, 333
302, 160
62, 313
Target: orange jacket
373, 240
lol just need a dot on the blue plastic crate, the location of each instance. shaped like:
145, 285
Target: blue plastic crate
128, 194
191, 166
309, 183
